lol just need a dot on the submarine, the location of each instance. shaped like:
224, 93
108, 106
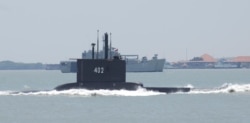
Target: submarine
108, 73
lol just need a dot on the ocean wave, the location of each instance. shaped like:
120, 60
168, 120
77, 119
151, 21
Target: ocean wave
225, 88
84, 92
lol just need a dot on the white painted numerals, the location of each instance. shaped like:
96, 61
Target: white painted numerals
99, 70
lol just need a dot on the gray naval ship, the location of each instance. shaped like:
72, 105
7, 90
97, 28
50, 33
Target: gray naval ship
133, 63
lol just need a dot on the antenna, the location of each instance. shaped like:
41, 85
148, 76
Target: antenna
186, 55
110, 47
97, 55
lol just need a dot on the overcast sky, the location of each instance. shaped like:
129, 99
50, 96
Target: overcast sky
49, 31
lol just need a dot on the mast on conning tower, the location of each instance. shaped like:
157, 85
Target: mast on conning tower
97, 55
106, 45
110, 47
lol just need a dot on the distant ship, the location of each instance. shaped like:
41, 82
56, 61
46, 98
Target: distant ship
133, 63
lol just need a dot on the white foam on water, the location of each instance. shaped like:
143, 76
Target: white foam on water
225, 88
189, 86
84, 92
5, 92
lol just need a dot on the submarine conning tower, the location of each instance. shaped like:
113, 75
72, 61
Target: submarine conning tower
104, 73
101, 70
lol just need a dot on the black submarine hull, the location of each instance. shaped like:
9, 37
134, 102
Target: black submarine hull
120, 86
99, 85
168, 89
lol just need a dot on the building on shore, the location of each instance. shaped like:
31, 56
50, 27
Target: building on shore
206, 61
241, 61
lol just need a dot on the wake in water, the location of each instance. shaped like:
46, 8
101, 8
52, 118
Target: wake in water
84, 92
225, 88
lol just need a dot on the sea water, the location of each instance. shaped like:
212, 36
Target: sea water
217, 96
